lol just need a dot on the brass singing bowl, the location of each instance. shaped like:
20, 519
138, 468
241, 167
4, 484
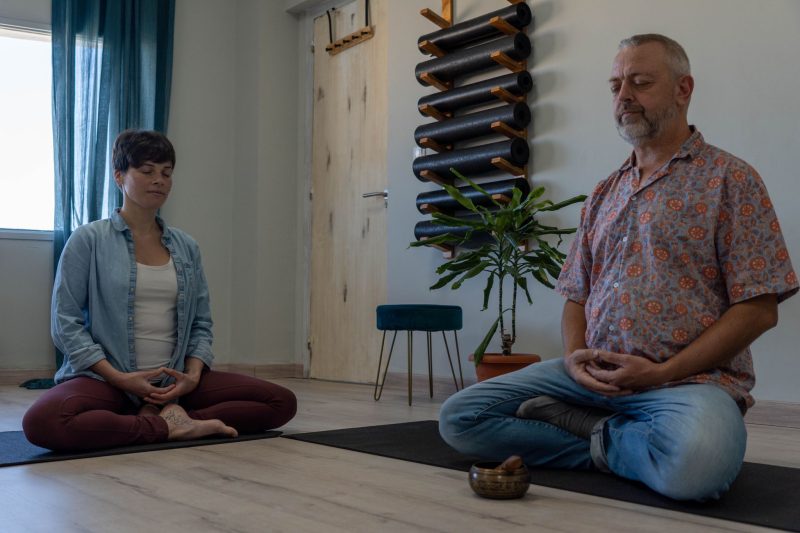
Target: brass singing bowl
489, 481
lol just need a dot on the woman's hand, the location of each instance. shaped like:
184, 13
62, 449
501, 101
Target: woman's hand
184, 384
139, 384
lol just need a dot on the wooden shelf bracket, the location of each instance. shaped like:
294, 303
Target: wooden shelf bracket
430, 48
445, 20
433, 81
427, 142
432, 112
511, 64
501, 25
448, 252
506, 96
435, 178
504, 129
505, 166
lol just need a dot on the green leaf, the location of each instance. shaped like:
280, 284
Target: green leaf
444, 280
471, 183
541, 277
565, 203
523, 283
474, 271
460, 198
456, 221
487, 291
481, 349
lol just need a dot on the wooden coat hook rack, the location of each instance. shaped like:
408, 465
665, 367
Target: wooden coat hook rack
351, 39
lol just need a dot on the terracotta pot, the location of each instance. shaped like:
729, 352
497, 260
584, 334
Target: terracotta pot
496, 364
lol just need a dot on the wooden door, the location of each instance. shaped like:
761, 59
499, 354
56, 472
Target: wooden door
348, 232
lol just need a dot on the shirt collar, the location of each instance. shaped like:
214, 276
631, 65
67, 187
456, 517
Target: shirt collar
691, 147
119, 224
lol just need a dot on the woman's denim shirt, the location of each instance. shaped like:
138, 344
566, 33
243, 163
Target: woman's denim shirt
93, 299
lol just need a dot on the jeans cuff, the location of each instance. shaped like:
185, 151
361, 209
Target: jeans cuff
597, 447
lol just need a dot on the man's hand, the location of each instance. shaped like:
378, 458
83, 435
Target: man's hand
581, 365
138, 383
184, 384
629, 372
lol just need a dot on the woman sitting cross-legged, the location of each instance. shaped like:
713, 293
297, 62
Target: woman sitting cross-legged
131, 315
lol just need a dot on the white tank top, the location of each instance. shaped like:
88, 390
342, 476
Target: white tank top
155, 315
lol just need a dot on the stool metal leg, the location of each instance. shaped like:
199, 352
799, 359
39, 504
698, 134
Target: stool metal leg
450, 360
430, 364
378, 391
458, 359
410, 362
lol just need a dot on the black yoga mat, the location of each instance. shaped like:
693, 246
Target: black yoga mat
474, 125
474, 161
431, 228
479, 93
475, 59
442, 201
477, 29
764, 495
16, 450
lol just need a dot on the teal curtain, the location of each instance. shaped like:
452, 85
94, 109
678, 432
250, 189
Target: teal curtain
112, 69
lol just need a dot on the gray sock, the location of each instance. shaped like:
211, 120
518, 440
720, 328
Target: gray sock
577, 419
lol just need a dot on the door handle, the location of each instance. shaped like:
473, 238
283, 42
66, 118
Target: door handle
384, 193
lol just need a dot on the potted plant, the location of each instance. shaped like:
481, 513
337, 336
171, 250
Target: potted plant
512, 247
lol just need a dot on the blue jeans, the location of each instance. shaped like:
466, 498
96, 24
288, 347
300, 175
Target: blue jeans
685, 442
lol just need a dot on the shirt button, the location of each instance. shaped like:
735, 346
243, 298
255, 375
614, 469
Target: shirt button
616, 284
633, 197
625, 239
130, 319
610, 328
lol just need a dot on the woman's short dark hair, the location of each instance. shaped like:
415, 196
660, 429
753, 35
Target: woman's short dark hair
133, 148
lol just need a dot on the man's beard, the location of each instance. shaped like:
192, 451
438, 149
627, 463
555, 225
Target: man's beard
646, 126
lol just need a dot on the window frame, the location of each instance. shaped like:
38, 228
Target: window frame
42, 29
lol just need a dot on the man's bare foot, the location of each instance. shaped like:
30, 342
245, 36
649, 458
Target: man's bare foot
149, 409
181, 427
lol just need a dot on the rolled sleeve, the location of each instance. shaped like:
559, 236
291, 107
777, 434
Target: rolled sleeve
200, 333
69, 305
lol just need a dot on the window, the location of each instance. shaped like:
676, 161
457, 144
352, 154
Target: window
26, 135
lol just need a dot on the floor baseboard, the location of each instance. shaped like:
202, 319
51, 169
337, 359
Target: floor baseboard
16, 377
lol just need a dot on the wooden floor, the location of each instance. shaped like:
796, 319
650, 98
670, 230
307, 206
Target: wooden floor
286, 485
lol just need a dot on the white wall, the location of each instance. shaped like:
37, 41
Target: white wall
233, 122
744, 58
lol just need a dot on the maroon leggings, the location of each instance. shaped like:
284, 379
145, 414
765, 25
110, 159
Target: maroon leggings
88, 414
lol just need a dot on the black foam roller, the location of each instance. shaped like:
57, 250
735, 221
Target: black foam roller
478, 29
445, 203
518, 116
479, 93
473, 161
430, 228
474, 59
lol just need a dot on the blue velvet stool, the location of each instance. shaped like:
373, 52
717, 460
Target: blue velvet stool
418, 317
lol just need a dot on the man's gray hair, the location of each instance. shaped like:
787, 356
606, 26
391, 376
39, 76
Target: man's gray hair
678, 60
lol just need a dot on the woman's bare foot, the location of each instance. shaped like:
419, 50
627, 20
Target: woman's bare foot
181, 427
149, 409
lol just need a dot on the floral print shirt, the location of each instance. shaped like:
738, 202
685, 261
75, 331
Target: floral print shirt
657, 261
